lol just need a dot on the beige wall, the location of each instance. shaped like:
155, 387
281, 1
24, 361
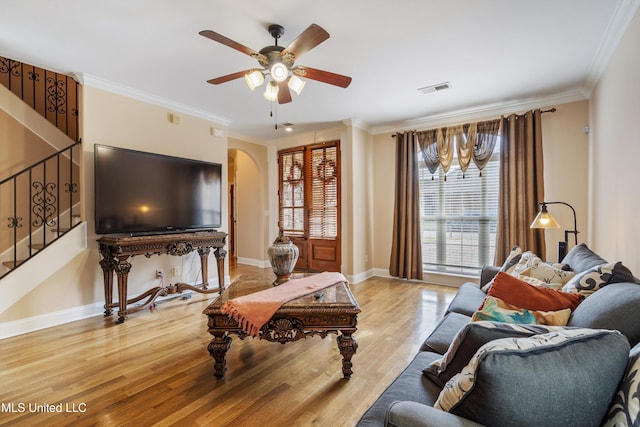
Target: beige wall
615, 152
251, 202
120, 121
566, 172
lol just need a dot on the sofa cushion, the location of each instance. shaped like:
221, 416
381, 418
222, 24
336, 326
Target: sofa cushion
496, 310
580, 258
467, 300
613, 307
445, 331
409, 385
521, 294
519, 381
625, 407
470, 338
598, 277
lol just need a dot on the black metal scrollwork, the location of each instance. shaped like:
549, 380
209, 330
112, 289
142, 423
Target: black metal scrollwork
14, 222
8, 66
56, 95
44, 204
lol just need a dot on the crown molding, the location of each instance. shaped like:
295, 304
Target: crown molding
482, 112
616, 28
118, 89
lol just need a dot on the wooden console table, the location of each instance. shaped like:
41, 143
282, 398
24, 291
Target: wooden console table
116, 250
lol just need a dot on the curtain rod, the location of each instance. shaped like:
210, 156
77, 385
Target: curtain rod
550, 110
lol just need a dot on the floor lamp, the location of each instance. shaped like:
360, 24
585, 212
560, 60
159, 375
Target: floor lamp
545, 220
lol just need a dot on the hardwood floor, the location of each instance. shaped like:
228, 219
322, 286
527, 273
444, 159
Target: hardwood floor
155, 368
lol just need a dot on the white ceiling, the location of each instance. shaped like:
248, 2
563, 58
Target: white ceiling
495, 54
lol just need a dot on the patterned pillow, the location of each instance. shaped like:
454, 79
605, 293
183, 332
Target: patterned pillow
495, 309
598, 277
531, 265
469, 339
532, 381
625, 407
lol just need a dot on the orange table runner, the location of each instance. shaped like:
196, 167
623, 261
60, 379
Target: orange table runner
254, 310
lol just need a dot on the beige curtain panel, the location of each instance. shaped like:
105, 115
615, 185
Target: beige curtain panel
521, 185
406, 249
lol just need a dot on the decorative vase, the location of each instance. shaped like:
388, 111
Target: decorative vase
283, 255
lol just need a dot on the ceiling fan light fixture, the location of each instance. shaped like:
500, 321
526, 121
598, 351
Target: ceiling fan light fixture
279, 72
254, 78
296, 84
271, 92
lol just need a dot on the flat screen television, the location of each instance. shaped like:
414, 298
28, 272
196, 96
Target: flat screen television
141, 193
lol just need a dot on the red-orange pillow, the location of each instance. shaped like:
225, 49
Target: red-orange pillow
521, 294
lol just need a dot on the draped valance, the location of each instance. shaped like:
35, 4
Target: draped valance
471, 141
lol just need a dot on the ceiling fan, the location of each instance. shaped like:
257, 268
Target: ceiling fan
278, 62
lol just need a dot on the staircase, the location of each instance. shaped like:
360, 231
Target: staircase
40, 203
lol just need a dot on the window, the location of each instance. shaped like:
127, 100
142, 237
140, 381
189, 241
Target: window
458, 217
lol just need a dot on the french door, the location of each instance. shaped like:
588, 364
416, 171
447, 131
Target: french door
309, 199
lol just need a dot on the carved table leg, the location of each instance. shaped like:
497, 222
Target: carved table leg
220, 253
218, 350
348, 346
204, 266
108, 265
122, 271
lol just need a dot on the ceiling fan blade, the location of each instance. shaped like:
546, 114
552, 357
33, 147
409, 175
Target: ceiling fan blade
232, 44
322, 76
310, 38
228, 77
284, 94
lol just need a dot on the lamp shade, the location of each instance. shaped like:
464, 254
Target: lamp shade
296, 84
254, 78
544, 219
271, 91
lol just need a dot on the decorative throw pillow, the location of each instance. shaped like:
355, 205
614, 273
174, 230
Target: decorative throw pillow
512, 259
598, 277
531, 265
495, 309
580, 258
524, 276
509, 264
516, 381
521, 294
469, 339
625, 407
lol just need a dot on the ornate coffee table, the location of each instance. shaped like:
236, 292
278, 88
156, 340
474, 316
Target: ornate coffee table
332, 310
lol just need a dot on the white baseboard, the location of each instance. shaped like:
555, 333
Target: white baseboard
42, 321
254, 262
56, 318
360, 277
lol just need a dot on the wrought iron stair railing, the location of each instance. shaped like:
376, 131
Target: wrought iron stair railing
54, 96
40, 204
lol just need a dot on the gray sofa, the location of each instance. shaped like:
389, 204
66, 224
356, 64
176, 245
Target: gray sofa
582, 374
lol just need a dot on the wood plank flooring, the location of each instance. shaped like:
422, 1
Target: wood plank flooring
155, 368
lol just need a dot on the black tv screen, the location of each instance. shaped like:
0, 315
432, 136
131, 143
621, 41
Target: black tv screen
145, 193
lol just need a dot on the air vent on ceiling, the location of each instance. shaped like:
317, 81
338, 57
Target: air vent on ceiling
434, 88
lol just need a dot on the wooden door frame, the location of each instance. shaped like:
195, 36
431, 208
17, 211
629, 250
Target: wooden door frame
305, 243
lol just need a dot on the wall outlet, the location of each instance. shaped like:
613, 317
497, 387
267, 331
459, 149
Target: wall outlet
159, 274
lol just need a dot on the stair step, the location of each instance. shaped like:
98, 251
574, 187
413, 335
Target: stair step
11, 264
37, 246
